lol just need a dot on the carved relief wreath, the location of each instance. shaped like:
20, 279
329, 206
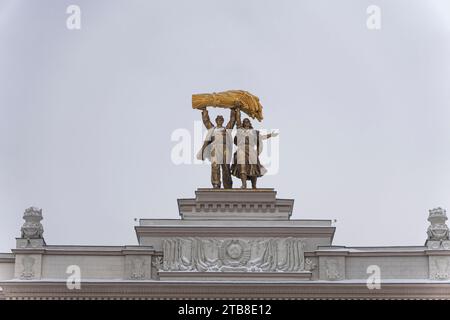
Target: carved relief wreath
234, 253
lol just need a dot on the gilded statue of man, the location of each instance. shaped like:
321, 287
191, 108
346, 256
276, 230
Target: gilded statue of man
217, 147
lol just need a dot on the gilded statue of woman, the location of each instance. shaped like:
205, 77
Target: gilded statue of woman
246, 165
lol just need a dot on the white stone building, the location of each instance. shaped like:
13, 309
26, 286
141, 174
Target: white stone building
227, 244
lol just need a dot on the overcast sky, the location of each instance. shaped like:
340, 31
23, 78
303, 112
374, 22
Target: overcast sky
86, 116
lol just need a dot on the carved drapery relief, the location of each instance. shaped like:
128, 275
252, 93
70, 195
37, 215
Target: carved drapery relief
256, 255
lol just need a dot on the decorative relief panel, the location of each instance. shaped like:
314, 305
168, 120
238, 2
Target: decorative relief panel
439, 268
235, 207
28, 267
216, 255
332, 268
137, 267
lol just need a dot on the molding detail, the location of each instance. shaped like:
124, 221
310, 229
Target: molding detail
235, 204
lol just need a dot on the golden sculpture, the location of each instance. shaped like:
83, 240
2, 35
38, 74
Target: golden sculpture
244, 100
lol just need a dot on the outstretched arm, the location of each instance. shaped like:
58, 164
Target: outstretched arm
205, 118
232, 121
269, 135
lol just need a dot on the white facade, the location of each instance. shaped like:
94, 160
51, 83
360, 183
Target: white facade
228, 244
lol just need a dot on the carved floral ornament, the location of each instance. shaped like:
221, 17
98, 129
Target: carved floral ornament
218, 255
28, 267
332, 267
138, 267
440, 268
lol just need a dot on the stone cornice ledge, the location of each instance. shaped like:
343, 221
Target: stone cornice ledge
220, 290
88, 250
374, 251
311, 232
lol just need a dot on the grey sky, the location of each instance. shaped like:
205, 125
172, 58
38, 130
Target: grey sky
86, 116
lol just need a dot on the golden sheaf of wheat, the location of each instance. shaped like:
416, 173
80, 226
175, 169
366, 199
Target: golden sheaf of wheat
246, 101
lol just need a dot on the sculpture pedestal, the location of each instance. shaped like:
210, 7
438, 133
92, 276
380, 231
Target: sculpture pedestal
235, 204
230, 244
235, 235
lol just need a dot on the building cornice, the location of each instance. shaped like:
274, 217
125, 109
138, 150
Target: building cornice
222, 290
307, 232
87, 250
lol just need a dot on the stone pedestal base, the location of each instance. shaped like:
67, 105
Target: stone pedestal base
30, 243
235, 204
235, 235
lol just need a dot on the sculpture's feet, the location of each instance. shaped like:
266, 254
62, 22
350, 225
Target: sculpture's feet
244, 186
216, 186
